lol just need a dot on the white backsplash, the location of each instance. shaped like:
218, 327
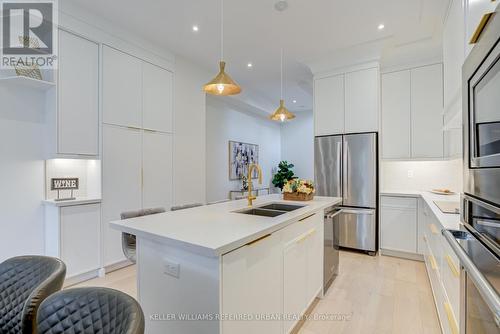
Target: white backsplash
421, 175
88, 172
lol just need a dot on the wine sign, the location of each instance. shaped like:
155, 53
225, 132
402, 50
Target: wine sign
69, 183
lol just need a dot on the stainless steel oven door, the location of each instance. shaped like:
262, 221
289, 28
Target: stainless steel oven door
480, 283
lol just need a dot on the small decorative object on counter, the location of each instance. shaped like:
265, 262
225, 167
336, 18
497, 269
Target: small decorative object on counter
244, 183
70, 183
298, 190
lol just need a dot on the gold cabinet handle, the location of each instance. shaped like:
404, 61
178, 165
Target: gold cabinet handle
133, 128
304, 237
433, 262
305, 218
451, 318
257, 240
307, 235
480, 27
150, 130
434, 229
453, 268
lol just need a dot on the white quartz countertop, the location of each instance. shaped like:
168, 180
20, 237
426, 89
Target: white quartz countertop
213, 230
447, 220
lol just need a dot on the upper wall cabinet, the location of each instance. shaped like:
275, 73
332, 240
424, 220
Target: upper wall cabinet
412, 113
329, 105
74, 123
427, 112
347, 102
157, 98
475, 12
396, 118
136, 93
362, 101
122, 88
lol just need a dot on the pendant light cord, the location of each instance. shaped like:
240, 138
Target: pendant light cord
282, 73
222, 30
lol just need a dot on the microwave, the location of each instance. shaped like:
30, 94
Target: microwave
481, 115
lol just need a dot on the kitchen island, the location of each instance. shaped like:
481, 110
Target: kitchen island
224, 268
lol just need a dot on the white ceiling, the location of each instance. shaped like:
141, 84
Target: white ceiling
314, 33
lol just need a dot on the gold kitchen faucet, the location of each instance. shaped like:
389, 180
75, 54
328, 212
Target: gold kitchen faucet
250, 170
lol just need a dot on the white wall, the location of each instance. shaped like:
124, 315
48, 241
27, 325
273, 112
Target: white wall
297, 144
189, 138
21, 173
427, 175
225, 123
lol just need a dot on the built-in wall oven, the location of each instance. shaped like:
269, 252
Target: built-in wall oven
477, 247
481, 115
477, 243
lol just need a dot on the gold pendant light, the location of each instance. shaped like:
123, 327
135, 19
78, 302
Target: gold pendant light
282, 114
222, 84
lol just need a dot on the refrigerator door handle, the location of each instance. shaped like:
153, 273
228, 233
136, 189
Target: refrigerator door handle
345, 180
339, 168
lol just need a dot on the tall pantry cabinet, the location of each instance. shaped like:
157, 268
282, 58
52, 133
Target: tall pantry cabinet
137, 142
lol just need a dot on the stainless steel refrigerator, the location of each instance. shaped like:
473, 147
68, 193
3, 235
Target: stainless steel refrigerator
347, 166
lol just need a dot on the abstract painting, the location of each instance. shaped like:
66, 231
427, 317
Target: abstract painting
241, 155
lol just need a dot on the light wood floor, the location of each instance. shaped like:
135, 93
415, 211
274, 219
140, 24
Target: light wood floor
371, 295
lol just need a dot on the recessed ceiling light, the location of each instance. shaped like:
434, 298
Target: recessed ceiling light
249, 65
381, 26
195, 28
281, 5
294, 101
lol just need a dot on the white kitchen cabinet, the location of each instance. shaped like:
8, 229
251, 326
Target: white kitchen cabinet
362, 101
453, 57
443, 270
72, 233
252, 284
427, 111
157, 169
474, 13
302, 266
122, 184
412, 113
294, 279
157, 98
122, 88
329, 105
398, 224
396, 115
74, 121
314, 247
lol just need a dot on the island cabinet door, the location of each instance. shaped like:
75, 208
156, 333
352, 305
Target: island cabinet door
294, 281
315, 249
252, 288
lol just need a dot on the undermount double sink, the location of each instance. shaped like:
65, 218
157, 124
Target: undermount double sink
271, 210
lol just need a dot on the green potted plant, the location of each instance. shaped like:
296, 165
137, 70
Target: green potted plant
284, 174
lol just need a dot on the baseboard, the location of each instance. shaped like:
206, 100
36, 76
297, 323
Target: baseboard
403, 255
80, 278
302, 320
117, 266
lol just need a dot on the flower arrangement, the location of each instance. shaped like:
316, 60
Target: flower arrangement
299, 189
